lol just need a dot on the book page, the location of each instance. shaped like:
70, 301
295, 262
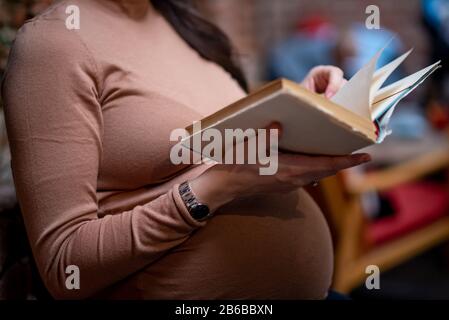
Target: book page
383, 123
380, 107
355, 94
403, 83
400, 89
382, 74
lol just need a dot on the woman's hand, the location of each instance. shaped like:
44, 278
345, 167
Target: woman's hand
324, 79
225, 182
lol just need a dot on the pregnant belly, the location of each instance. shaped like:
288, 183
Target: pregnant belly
267, 247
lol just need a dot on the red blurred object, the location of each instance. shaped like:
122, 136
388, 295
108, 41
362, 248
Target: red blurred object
415, 205
317, 26
438, 115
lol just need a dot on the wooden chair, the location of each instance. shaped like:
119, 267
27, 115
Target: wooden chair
340, 198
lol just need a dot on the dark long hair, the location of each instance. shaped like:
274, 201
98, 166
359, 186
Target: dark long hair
204, 37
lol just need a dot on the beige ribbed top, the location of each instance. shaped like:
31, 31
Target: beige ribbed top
89, 113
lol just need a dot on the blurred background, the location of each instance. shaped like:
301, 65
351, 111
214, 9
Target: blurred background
392, 213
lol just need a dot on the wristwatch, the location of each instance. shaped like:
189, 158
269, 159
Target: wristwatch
197, 210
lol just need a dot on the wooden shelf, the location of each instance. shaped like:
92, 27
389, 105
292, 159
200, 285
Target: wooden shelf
393, 253
398, 174
342, 203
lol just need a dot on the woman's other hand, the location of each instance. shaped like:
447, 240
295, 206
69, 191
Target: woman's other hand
324, 79
223, 183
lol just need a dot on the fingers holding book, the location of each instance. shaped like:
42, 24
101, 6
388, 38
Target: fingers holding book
324, 79
223, 183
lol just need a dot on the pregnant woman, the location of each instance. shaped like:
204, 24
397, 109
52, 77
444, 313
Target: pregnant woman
89, 114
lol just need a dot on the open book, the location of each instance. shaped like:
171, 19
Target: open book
357, 116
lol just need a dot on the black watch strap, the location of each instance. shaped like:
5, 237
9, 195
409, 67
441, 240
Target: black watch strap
197, 210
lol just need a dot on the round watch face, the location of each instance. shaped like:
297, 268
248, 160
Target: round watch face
199, 211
